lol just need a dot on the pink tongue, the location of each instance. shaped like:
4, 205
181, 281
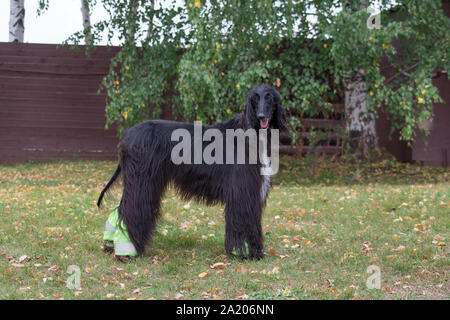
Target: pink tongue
264, 123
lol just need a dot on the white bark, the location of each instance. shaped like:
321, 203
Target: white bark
16, 20
132, 25
150, 23
360, 123
86, 21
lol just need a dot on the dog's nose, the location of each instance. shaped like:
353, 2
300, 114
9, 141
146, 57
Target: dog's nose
261, 116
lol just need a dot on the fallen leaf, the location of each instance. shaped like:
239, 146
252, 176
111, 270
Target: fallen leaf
276, 270
399, 248
274, 252
178, 296
218, 265
53, 268
17, 265
241, 269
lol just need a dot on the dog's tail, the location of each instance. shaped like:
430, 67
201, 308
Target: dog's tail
109, 184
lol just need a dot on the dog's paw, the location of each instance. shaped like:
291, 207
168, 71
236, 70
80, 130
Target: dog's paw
246, 253
124, 259
108, 246
256, 256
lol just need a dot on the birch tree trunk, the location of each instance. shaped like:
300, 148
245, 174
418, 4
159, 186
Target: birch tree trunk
16, 20
150, 23
86, 22
360, 123
133, 21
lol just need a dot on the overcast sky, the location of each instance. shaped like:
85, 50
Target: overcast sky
61, 20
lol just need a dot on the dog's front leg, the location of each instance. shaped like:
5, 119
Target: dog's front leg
243, 233
234, 237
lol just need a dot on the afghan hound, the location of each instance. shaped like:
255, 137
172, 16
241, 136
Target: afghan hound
147, 169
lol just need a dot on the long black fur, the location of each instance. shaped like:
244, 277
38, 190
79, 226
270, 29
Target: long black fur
147, 170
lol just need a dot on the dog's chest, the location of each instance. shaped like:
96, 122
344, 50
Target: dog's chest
266, 178
265, 187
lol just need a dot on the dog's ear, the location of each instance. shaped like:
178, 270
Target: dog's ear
279, 115
250, 119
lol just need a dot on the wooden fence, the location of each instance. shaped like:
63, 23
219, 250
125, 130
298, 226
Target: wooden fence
49, 105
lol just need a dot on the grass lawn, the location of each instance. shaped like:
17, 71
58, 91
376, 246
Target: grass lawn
324, 225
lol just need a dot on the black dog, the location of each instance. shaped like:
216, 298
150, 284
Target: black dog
147, 169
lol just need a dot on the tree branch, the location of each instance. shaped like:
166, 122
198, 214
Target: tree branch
402, 72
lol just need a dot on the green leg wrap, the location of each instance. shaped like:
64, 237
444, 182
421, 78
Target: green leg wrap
119, 236
122, 243
111, 226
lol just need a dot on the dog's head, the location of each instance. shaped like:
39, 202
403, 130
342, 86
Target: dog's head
263, 109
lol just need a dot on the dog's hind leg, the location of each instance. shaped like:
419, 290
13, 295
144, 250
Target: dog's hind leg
140, 205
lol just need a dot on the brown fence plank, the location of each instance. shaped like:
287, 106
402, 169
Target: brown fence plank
70, 133
54, 68
54, 95
90, 83
12, 100
45, 50
75, 60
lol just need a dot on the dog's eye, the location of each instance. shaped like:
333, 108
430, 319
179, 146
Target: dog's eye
268, 97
